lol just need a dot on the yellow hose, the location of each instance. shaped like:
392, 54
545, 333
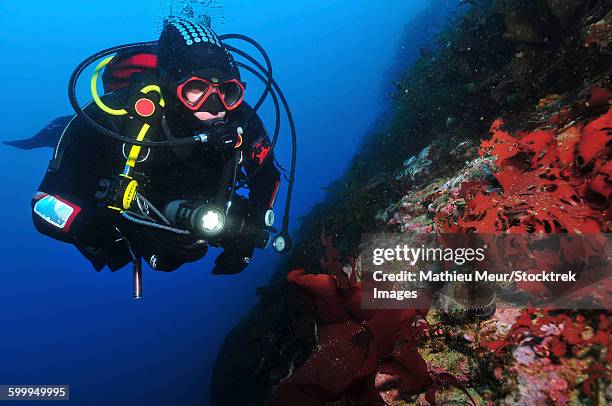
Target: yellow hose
135, 150
94, 90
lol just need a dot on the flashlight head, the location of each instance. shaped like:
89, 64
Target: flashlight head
209, 221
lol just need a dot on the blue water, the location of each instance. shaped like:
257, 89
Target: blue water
63, 323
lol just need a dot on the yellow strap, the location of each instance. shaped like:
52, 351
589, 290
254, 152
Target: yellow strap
94, 90
135, 150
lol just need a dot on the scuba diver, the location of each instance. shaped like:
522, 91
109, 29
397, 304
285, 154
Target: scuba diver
151, 169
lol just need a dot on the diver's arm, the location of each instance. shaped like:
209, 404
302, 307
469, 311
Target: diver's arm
263, 187
259, 160
65, 207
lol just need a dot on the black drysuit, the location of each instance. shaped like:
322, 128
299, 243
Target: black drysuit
83, 158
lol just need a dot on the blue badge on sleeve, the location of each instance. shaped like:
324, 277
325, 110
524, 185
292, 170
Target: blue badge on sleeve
53, 211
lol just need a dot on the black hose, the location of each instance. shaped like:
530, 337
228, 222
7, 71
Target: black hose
263, 52
225, 181
285, 226
237, 160
118, 137
276, 126
81, 114
170, 143
274, 138
267, 90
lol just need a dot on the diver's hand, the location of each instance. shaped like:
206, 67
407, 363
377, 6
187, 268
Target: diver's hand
186, 248
164, 250
234, 258
225, 137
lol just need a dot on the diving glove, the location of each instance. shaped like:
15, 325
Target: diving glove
164, 250
234, 258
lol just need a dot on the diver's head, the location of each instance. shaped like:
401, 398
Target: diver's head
199, 77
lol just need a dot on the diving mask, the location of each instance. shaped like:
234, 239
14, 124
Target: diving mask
196, 91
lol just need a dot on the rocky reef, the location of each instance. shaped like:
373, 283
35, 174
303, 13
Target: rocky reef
502, 125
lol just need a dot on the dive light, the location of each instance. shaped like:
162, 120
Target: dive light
203, 219
210, 221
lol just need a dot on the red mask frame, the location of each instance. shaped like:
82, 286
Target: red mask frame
211, 88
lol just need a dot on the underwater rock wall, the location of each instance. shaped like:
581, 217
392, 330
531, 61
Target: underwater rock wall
505, 113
